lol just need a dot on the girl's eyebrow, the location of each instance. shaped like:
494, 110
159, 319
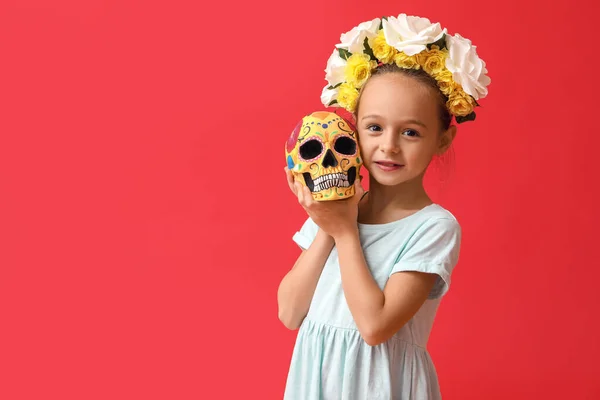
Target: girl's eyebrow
408, 121
370, 116
416, 122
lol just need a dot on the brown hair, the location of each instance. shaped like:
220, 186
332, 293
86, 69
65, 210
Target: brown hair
423, 77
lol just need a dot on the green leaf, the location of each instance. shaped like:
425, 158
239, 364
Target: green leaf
333, 87
441, 43
369, 50
470, 117
345, 54
332, 103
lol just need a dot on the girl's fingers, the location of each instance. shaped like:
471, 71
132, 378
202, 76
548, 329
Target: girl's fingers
299, 192
308, 198
358, 188
290, 180
302, 192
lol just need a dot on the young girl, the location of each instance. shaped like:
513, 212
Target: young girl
373, 269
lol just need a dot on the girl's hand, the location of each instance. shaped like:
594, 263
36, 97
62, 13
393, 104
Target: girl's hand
337, 217
291, 179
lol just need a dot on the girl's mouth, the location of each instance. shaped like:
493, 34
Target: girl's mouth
388, 166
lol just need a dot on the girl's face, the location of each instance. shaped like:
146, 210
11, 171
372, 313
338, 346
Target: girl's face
399, 128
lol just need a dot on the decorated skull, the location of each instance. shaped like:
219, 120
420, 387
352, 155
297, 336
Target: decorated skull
322, 152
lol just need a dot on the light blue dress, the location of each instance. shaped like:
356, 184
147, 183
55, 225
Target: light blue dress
331, 360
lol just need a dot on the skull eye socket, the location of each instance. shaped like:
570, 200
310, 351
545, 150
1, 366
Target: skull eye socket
311, 149
344, 145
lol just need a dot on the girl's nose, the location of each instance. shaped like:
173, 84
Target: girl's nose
389, 145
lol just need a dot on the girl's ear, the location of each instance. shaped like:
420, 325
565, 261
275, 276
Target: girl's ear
446, 139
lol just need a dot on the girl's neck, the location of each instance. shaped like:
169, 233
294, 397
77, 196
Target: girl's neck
385, 204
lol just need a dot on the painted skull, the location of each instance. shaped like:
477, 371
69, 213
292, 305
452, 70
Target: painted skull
323, 153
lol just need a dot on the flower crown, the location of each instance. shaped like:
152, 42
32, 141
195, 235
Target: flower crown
411, 43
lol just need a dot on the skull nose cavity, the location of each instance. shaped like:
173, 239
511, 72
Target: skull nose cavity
329, 161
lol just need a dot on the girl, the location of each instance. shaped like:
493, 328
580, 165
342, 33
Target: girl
365, 290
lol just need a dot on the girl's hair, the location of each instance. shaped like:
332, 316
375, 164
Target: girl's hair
423, 77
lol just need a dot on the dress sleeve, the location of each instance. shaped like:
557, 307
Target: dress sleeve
307, 233
433, 248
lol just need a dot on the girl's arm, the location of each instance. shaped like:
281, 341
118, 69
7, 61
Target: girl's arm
378, 314
297, 288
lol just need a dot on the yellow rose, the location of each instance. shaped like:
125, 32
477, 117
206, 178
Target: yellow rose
382, 50
347, 96
460, 104
358, 69
433, 61
443, 76
408, 62
446, 82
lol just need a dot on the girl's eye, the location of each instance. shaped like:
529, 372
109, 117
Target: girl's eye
374, 128
411, 132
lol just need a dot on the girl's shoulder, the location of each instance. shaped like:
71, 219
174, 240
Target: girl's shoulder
432, 214
437, 211
435, 218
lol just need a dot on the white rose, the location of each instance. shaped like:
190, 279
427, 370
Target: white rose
328, 95
411, 35
468, 70
353, 40
336, 65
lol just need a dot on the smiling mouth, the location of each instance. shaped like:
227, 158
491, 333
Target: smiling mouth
388, 164
338, 179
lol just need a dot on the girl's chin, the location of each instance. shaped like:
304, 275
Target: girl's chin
387, 179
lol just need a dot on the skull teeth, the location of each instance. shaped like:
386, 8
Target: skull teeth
330, 177
336, 179
330, 180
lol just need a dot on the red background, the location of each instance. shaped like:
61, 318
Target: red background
146, 222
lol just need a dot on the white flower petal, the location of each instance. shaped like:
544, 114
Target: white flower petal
336, 65
390, 32
410, 34
468, 70
328, 95
353, 40
412, 49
